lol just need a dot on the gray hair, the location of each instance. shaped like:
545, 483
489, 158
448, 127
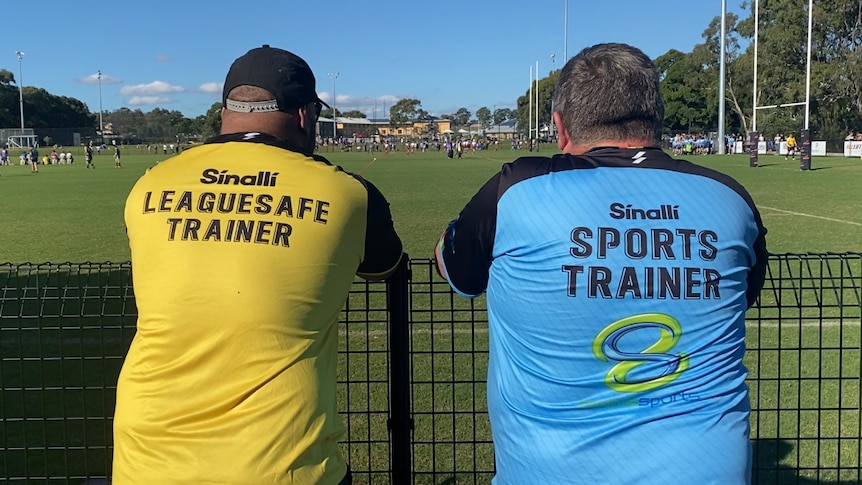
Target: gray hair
610, 92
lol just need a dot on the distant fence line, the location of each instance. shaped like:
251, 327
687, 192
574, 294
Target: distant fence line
413, 363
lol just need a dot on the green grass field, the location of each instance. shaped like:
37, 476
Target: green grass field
804, 344
69, 213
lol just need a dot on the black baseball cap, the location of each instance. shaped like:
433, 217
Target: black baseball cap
282, 73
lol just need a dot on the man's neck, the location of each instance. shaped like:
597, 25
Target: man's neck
576, 149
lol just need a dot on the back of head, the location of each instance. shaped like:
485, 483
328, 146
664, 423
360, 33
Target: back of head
262, 87
610, 92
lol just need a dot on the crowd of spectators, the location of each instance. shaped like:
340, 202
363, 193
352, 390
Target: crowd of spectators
702, 144
690, 144
407, 145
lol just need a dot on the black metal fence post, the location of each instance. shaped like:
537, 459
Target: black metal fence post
399, 423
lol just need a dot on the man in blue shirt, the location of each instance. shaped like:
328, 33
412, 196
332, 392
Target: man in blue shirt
617, 283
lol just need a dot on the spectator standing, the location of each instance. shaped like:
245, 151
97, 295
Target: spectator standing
231, 376
617, 283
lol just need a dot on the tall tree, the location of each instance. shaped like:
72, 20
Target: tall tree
6, 77
684, 86
836, 76
737, 81
462, 117
354, 114
42, 109
327, 113
483, 114
501, 115
211, 125
404, 111
527, 116
126, 122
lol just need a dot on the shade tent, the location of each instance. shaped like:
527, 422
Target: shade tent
462, 131
448, 132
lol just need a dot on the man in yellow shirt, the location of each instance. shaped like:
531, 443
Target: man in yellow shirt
791, 147
243, 252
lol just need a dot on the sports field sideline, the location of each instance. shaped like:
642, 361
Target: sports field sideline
69, 213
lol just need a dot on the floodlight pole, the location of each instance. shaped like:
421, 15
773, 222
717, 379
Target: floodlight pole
537, 105
530, 111
334, 76
754, 93
808, 73
498, 126
101, 125
722, 143
21, 88
553, 127
566, 32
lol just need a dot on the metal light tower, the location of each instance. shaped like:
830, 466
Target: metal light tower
20, 88
566, 32
552, 128
101, 126
334, 76
722, 142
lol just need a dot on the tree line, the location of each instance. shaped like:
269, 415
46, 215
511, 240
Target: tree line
690, 81
689, 84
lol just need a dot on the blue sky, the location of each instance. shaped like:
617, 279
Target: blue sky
446, 53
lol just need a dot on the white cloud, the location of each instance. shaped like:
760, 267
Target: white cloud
149, 100
94, 79
152, 89
210, 88
371, 106
163, 58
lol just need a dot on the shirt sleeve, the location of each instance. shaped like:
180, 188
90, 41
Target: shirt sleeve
383, 247
757, 274
465, 249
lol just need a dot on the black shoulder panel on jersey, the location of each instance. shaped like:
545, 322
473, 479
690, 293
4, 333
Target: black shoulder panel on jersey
528, 167
383, 247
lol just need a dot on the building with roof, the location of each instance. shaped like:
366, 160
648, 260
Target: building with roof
428, 127
506, 130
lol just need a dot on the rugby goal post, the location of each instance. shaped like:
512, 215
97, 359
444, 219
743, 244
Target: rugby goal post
805, 138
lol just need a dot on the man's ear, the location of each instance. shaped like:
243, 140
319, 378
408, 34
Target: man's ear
305, 118
562, 134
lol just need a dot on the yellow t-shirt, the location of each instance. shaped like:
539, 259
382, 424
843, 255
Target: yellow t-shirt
791, 142
243, 252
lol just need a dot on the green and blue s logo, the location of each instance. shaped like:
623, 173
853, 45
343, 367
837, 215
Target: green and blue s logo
606, 347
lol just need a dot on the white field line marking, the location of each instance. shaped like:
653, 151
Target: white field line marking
445, 328
811, 215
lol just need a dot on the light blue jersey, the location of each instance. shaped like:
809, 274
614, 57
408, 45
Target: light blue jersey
617, 285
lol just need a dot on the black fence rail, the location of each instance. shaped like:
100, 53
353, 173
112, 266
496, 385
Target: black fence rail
413, 360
